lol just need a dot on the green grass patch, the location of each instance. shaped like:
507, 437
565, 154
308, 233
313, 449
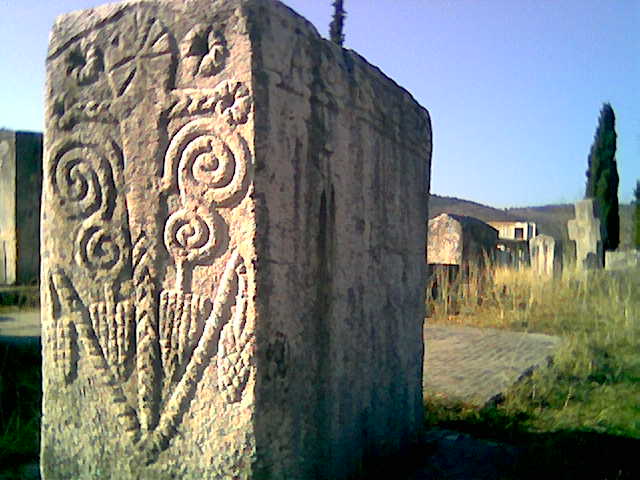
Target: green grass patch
589, 395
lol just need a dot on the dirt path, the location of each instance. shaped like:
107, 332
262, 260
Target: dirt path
477, 365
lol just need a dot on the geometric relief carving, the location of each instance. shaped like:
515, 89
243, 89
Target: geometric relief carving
205, 165
203, 51
82, 178
69, 112
229, 100
69, 310
114, 326
99, 248
168, 336
85, 63
236, 349
182, 317
140, 44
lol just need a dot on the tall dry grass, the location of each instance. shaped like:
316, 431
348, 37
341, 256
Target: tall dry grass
594, 381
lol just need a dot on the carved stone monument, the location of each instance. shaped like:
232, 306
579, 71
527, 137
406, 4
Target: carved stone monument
542, 251
233, 256
458, 239
622, 259
585, 231
20, 186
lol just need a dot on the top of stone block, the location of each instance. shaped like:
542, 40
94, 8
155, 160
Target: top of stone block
69, 26
464, 220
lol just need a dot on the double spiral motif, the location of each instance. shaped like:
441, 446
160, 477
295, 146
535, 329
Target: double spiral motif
207, 166
100, 249
82, 179
208, 161
190, 237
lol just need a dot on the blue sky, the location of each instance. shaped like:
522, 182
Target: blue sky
514, 87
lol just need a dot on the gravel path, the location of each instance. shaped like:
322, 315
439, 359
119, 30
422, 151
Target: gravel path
476, 366
462, 363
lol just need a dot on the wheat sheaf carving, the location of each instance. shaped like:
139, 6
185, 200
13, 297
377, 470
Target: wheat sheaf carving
151, 431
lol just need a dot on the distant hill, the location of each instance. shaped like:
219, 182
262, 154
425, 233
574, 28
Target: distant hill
457, 206
550, 219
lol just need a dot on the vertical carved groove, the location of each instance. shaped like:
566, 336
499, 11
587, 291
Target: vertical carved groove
62, 334
180, 314
64, 346
148, 355
235, 350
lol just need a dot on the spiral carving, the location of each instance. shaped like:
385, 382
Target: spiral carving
209, 161
206, 165
189, 237
82, 179
100, 249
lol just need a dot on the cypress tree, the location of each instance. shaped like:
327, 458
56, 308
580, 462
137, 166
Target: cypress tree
336, 28
636, 236
602, 177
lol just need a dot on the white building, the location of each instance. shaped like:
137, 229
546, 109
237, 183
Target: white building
523, 231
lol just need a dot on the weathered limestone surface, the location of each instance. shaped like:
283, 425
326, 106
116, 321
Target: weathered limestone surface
458, 239
20, 185
542, 251
622, 259
233, 248
585, 231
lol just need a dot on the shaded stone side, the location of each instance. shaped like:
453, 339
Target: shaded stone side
20, 186
29, 188
233, 225
342, 174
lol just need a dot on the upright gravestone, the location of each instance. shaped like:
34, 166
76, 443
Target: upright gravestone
233, 256
20, 186
585, 231
542, 251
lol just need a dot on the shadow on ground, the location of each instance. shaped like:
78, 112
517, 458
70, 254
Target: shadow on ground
491, 445
20, 400
496, 447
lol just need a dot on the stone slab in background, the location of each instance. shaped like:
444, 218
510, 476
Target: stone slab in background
622, 260
233, 267
20, 186
457, 240
584, 230
545, 256
477, 365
